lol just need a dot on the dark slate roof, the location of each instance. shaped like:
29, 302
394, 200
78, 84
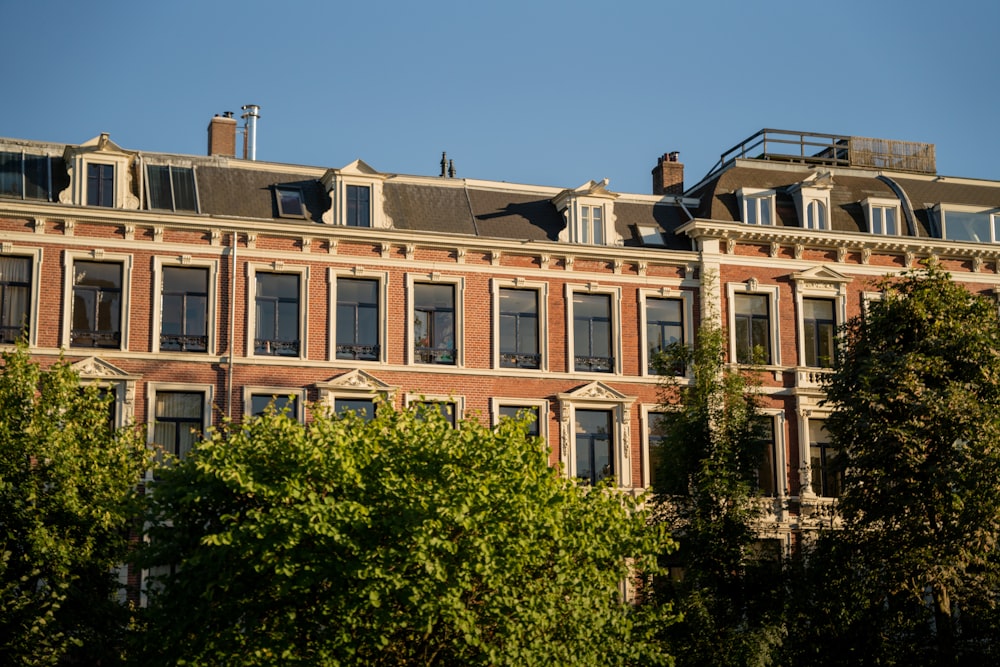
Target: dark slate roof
428, 208
249, 193
628, 217
516, 216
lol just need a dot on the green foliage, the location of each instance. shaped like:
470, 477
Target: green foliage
67, 498
916, 393
392, 542
706, 495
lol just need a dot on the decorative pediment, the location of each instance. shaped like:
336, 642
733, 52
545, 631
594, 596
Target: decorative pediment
588, 189
356, 380
821, 275
596, 391
92, 367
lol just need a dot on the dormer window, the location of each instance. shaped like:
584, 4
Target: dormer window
882, 215
589, 214
290, 202
25, 176
815, 217
757, 206
100, 174
356, 195
812, 199
965, 223
359, 212
171, 188
100, 185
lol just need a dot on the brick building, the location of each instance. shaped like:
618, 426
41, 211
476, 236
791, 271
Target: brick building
201, 287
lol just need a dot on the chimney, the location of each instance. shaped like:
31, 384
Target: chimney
668, 175
222, 135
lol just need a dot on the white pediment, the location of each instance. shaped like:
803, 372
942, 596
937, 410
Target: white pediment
92, 367
596, 391
821, 274
359, 168
356, 380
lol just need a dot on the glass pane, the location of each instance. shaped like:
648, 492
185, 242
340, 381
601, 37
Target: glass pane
744, 349
766, 476
259, 403
761, 339
170, 320
346, 324
183, 182
364, 408
98, 274
591, 305
508, 333
515, 411
181, 279
196, 315
10, 174
266, 311
288, 321
281, 285
960, 226
290, 202
429, 296
158, 182
601, 339
751, 304
817, 309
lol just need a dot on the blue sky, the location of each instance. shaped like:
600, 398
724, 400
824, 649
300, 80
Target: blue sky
553, 93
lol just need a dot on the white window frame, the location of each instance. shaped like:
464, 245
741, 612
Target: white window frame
687, 310
360, 273
186, 262
771, 292
758, 198
458, 401
100, 150
886, 204
94, 370
541, 290
941, 213
299, 393
805, 470
616, 322
458, 283
777, 416
34, 294
354, 385
541, 405
597, 396
253, 268
292, 189
335, 181
70, 257
805, 197
817, 284
152, 388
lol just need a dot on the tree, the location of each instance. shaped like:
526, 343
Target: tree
707, 495
916, 397
397, 541
67, 500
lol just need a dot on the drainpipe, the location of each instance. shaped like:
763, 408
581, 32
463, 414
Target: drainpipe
232, 326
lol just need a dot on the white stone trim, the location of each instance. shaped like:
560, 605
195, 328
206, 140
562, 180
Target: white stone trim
541, 289
360, 273
253, 268
70, 257
185, 262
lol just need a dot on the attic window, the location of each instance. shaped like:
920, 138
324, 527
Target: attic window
171, 188
100, 184
25, 176
969, 224
650, 235
757, 206
290, 203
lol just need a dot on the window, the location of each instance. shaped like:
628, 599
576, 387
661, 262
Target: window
277, 313
358, 206
357, 315
815, 217
184, 309
664, 326
753, 329
100, 184
519, 328
97, 304
179, 420
15, 298
655, 439
434, 323
260, 402
516, 411
25, 176
448, 409
171, 188
819, 328
883, 216
767, 473
594, 455
362, 407
290, 203
963, 224
592, 332
592, 224
824, 461
757, 206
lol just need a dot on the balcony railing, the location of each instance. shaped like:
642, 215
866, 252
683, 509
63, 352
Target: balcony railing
520, 360
435, 355
810, 378
10, 335
95, 338
595, 364
179, 343
358, 352
276, 348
